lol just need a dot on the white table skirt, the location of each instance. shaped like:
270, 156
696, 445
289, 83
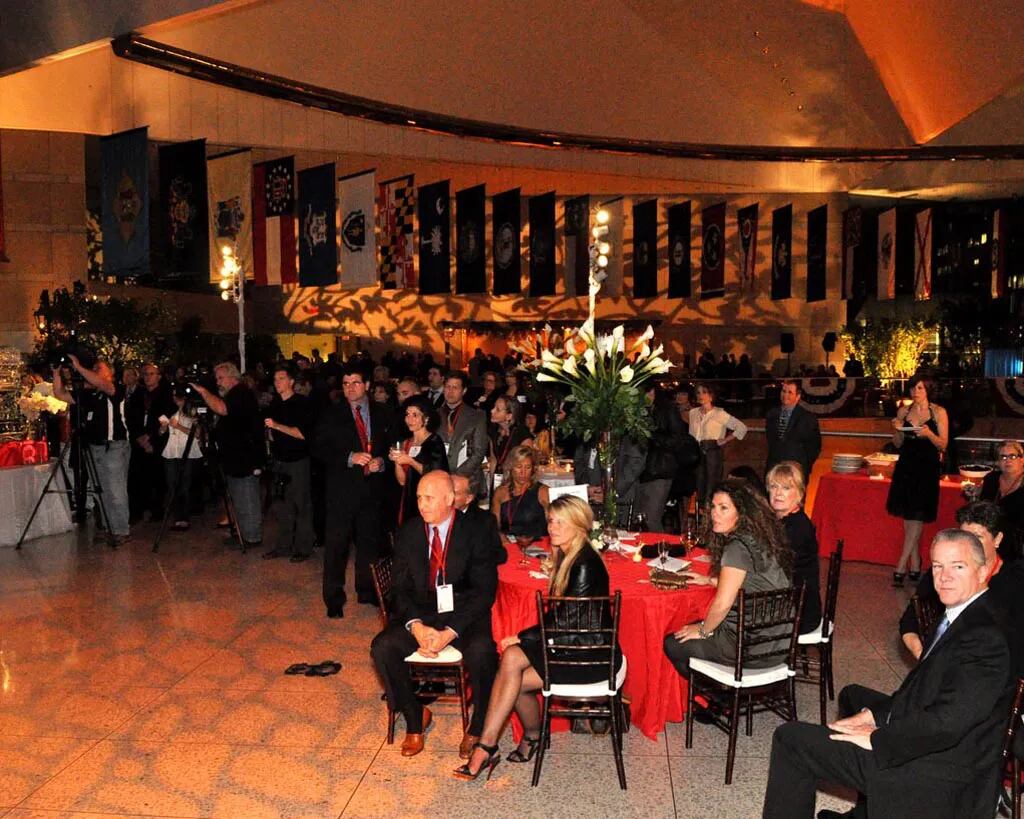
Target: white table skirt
20, 487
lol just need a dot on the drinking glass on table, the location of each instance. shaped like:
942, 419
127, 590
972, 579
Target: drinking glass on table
640, 521
663, 551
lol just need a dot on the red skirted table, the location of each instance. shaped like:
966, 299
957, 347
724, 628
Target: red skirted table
852, 507
656, 691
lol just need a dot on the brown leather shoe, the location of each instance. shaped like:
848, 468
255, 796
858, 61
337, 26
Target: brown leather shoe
413, 743
466, 746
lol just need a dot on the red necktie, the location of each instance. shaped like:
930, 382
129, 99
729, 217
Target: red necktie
436, 556
363, 437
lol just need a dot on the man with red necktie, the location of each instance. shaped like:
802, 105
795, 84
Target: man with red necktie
352, 439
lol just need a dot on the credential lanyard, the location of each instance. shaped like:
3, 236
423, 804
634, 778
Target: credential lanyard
443, 562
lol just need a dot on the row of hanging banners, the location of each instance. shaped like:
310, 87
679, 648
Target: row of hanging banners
303, 228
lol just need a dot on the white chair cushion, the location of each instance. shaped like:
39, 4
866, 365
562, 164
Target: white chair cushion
596, 689
814, 637
448, 654
752, 677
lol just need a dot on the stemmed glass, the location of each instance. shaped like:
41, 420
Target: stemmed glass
663, 552
640, 521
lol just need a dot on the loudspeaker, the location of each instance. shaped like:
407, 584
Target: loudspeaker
828, 343
788, 343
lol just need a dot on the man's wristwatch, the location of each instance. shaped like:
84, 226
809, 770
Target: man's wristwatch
702, 633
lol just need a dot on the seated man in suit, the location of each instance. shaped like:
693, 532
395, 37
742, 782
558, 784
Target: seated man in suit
934, 747
466, 504
445, 579
792, 432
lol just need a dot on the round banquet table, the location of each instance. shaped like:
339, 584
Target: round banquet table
657, 693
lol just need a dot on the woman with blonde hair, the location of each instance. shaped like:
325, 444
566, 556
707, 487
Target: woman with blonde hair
786, 495
578, 571
520, 504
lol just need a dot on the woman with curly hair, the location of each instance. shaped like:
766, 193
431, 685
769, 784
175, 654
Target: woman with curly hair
748, 551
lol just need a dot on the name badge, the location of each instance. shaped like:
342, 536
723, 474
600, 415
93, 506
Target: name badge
447, 447
445, 599
415, 450
88, 417
463, 454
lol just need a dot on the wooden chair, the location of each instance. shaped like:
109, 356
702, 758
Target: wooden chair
1011, 755
760, 619
446, 669
597, 617
819, 669
928, 617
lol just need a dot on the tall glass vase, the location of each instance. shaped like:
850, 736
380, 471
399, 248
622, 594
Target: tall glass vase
607, 452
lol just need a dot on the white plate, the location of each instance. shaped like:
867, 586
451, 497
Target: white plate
671, 564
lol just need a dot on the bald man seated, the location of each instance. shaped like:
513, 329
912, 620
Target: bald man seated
445, 579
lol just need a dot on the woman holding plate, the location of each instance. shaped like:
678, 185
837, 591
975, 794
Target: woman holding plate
420, 453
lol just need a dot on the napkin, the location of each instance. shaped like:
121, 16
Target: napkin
538, 575
671, 564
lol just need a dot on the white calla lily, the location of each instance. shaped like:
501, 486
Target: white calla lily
648, 334
605, 345
548, 357
626, 374
543, 376
569, 367
659, 366
645, 352
588, 360
658, 350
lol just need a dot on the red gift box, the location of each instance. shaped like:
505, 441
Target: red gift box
21, 453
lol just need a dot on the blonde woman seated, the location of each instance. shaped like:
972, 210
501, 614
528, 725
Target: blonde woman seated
520, 504
578, 571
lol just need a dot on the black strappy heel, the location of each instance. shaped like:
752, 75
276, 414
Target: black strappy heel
518, 756
463, 771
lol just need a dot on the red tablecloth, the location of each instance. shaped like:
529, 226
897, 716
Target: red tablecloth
656, 691
23, 453
852, 507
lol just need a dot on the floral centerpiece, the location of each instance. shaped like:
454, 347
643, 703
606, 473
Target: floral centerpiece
33, 406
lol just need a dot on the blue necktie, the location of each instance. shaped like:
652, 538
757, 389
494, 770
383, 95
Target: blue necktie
943, 625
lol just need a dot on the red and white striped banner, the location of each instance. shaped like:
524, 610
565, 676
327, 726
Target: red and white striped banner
273, 222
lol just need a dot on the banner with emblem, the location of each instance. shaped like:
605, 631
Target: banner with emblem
886, 268
817, 249
184, 221
3, 235
746, 224
616, 232
851, 241
1000, 241
273, 222
124, 159
506, 242
356, 198
645, 249
396, 205
782, 252
576, 215
923, 254
318, 250
229, 187
435, 218
679, 272
470, 244
712, 253
542, 244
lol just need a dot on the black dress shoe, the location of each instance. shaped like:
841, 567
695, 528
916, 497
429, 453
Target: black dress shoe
367, 600
299, 558
335, 614
825, 813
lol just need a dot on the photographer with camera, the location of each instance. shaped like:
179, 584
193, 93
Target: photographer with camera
239, 439
289, 423
101, 406
180, 468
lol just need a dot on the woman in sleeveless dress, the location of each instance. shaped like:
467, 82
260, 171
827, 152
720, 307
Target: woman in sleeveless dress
520, 504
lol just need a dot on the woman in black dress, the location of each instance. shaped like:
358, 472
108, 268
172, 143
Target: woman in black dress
921, 433
786, 496
1005, 486
507, 432
520, 504
420, 453
578, 571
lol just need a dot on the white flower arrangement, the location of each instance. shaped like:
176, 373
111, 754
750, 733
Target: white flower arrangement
34, 404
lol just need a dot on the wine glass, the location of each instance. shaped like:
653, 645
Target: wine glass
640, 521
663, 552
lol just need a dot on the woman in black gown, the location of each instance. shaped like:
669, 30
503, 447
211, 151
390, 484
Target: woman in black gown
1005, 486
520, 504
786, 496
420, 453
921, 433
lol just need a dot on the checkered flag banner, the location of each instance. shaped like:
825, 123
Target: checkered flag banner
396, 203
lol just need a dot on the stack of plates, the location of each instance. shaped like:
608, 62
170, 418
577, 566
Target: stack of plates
847, 463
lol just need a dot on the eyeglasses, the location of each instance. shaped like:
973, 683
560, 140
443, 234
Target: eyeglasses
1010, 457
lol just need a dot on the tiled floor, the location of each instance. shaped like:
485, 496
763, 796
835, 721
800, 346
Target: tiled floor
134, 684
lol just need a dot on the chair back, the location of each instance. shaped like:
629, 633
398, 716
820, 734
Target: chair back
382, 584
1014, 723
767, 628
580, 632
928, 616
835, 567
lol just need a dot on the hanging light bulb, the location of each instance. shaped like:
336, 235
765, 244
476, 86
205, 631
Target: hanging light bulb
225, 295
602, 261
604, 248
603, 217
225, 284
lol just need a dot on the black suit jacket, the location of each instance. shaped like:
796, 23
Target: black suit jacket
801, 443
336, 438
469, 568
945, 723
486, 520
141, 421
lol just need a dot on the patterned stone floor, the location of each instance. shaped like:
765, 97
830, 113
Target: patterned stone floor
134, 684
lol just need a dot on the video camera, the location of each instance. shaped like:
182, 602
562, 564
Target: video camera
86, 357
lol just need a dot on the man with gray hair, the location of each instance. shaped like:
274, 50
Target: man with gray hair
934, 747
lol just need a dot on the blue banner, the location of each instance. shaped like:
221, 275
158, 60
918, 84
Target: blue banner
125, 205
318, 251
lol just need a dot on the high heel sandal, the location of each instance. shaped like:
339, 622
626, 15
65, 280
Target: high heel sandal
463, 771
531, 744
897, 579
913, 577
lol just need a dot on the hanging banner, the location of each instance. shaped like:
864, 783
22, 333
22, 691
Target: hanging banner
396, 205
125, 207
506, 242
576, 213
886, 271
851, 241
470, 244
318, 249
184, 219
746, 224
229, 187
435, 218
645, 250
817, 249
782, 252
679, 273
616, 237
273, 222
3, 235
923, 254
542, 244
1000, 238
358, 245
712, 254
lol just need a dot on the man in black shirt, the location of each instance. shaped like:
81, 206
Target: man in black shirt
239, 437
104, 431
289, 422
142, 412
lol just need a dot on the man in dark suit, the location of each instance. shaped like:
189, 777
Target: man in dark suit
792, 431
464, 432
465, 503
444, 582
352, 440
435, 387
934, 747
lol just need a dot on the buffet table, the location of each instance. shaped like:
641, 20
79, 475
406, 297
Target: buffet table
852, 507
656, 691
20, 487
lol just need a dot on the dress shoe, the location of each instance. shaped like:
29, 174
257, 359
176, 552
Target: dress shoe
367, 600
834, 814
299, 558
466, 746
413, 743
335, 614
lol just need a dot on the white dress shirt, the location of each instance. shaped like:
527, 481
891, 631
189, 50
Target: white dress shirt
714, 425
